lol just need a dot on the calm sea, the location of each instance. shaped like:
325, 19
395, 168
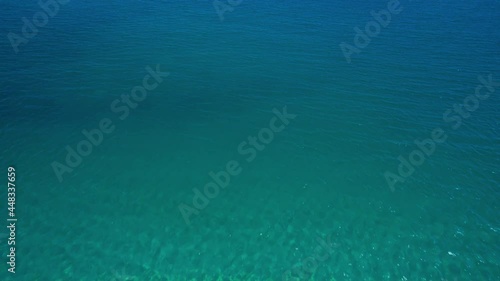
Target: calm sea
251, 140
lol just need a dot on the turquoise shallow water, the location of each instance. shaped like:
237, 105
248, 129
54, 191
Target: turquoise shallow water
313, 204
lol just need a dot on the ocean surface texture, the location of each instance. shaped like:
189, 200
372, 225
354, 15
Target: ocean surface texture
251, 140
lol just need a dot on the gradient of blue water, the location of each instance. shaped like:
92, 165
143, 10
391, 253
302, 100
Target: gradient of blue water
116, 217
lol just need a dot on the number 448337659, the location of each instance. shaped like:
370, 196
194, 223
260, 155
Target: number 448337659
11, 189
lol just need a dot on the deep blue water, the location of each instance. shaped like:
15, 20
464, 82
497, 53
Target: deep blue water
377, 170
